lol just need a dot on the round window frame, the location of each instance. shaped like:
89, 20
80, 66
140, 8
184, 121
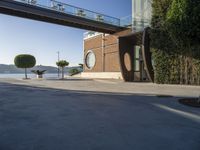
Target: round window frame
90, 51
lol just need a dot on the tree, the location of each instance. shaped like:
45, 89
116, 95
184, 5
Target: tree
175, 37
183, 22
62, 64
25, 61
184, 28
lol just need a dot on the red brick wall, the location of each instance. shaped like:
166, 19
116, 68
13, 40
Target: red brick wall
94, 44
109, 46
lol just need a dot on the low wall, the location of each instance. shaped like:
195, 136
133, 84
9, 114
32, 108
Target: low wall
102, 75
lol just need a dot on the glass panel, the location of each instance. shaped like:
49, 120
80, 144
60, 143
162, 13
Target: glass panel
137, 58
137, 65
141, 14
137, 52
126, 21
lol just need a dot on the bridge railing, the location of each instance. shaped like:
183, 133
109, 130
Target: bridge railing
137, 24
126, 21
72, 10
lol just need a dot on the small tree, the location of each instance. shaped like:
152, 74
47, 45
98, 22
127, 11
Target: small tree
62, 64
25, 61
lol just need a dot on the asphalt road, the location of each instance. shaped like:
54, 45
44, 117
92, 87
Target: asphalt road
39, 118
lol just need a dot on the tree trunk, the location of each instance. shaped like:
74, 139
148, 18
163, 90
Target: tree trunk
186, 70
26, 73
58, 72
62, 72
181, 68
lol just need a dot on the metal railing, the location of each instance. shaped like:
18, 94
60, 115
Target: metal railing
129, 22
126, 21
136, 24
72, 10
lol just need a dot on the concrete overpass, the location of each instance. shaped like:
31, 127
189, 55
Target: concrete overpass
62, 14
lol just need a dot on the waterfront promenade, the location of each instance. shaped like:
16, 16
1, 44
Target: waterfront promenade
113, 86
84, 114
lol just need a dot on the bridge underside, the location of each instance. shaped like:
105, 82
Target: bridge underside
18, 9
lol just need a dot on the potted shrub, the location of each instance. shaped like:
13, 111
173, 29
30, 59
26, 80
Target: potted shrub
74, 71
81, 65
39, 73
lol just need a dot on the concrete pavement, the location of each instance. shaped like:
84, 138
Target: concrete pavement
96, 115
114, 86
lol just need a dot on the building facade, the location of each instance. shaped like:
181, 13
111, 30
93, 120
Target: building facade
119, 55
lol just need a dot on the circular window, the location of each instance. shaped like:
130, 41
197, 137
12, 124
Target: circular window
90, 59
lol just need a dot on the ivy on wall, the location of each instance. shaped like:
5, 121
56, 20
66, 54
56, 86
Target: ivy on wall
175, 41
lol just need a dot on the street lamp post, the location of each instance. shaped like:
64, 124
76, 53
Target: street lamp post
58, 61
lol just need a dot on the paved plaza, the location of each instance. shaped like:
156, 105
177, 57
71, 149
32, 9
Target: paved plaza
84, 114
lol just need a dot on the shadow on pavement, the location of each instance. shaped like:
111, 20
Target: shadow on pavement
35, 118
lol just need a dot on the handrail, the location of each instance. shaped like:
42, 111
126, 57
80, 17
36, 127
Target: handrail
86, 10
61, 7
73, 10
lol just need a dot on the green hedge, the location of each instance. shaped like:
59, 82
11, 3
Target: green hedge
175, 41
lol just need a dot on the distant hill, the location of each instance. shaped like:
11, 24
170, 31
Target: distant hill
6, 69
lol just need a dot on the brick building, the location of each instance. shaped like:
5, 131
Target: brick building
103, 52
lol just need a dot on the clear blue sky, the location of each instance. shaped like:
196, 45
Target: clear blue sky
43, 40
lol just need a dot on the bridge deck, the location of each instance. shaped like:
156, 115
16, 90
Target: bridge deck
62, 14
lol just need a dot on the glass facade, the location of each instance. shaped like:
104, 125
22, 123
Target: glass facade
141, 14
137, 58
